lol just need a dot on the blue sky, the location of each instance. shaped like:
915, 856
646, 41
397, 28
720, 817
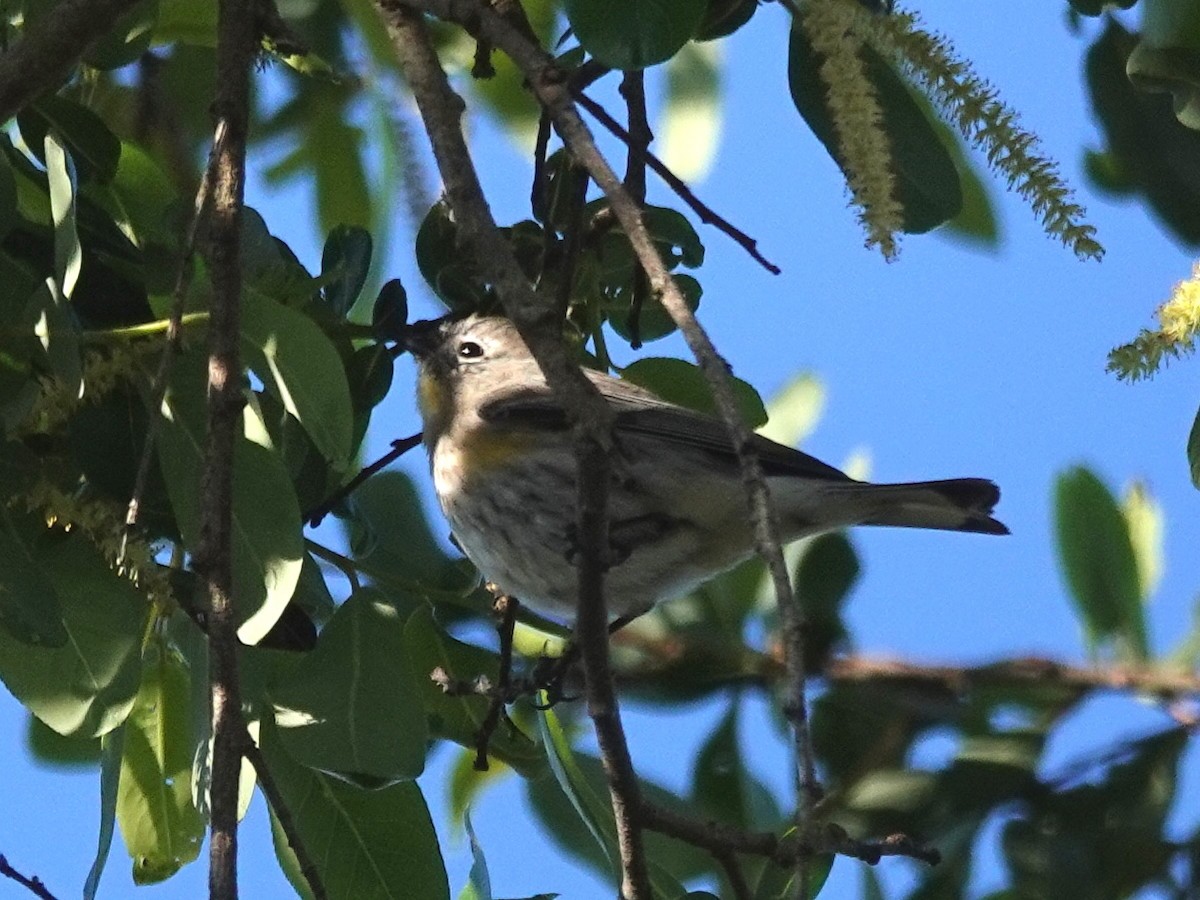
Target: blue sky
951, 361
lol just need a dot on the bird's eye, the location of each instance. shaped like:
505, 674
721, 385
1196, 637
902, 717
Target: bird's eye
470, 350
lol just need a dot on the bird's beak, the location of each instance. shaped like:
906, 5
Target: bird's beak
422, 338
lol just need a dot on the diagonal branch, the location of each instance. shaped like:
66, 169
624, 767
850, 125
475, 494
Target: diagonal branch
50, 48
540, 327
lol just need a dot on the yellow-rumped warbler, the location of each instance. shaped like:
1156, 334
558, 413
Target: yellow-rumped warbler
500, 450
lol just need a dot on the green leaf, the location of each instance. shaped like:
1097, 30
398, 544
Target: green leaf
345, 264
187, 22
654, 322
112, 750
778, 882
56, 328
389, 315
592, 811
507, 92
372, 843
29, 608
92, 146
479, 883
352, 705
682, 382
723, 17
8, 197
691, 115
1144, 519
826, 572
927, 182
54, 751
300, 367
1193, 451
86, 687
126, 39
268, 541
722, 784
161, 827
1098, 561
793, 412
630, 34
141, 201
457, 718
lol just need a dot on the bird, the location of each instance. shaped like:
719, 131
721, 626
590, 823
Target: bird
502, 461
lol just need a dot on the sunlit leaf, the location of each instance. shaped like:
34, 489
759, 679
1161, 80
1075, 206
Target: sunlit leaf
111, 754
161, 828
352, 705
377, 843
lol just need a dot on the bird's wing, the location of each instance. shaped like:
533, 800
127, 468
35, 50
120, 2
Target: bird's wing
642, 413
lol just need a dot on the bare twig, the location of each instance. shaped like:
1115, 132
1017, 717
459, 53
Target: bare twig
50, 48
706, 213
506, 619
633, 89
399, 448
35, 885
539, 327
183, 278
284, 815
550, 85
236, 45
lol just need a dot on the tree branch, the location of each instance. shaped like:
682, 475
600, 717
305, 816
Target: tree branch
50, 48
34, 884
236, 45
540, 328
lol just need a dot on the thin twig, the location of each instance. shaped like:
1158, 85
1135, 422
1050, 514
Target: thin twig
399, 448
183, 279
506, 613
237, 42
550, 84
540, 328
706, 213
283, 815
633, 89
35, 885
50, 48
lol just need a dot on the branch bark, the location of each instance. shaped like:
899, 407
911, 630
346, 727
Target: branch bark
50, 48
236, 45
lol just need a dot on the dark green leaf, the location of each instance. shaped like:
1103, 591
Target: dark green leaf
188, 22
51, 749
723, 17
653, 320
126, 39
677, 240
8, 197
111, 753
93, 147
723, 787
162, 828
29, 607
1193, 450
86, 687
927, 182
1148, 145
457, 718
629, 34
353, 705
1098, 561
345, 263
268, 542
372, 843
389, 315
682, 382
824, 576
778, 882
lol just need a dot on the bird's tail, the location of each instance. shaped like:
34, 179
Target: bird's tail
956, 504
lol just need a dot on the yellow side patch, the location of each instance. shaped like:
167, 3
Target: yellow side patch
431, 397
482, 451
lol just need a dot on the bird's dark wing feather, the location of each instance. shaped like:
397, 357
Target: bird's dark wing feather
642, 413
